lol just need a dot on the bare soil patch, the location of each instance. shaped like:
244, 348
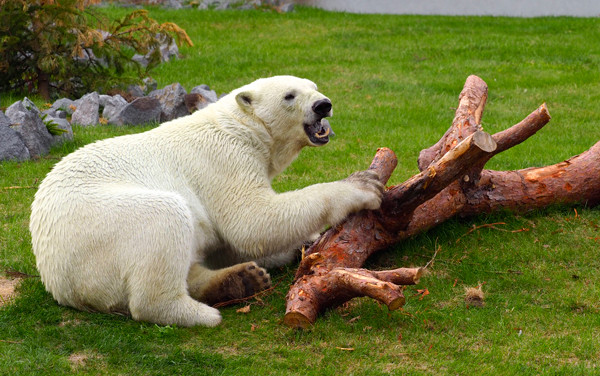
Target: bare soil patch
7, 289
78, 360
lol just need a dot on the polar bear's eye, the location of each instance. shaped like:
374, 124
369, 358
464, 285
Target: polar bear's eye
290, 96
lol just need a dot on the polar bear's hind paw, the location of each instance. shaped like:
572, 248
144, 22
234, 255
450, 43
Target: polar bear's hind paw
241, 281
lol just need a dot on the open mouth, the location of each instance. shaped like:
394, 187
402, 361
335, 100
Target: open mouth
319, 132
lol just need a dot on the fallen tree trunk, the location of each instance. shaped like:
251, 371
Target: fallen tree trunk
452, 182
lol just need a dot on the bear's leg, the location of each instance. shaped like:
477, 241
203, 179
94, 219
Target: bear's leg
235, 282
156, 252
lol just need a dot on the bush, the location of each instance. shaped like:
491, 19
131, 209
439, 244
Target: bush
63, 46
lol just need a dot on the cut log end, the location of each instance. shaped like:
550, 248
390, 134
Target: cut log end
484, 141
296, 320
396, 303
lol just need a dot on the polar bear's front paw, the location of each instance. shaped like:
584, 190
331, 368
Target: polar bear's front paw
370, 185
239, 281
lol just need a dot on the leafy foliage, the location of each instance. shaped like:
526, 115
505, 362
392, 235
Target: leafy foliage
64, 46
52, 127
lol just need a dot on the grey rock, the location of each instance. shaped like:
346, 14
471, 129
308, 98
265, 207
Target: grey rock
172, 4
4, 120
169, 50
86, 113
103, 98
141, 59
246, 6
25, 120
223, 5
28, 105
150, 84
114, 105
211, 3
61, 124
12, 146
205, 91
52, 112
141, 111
172, 101
287, 7
135, 90
64, 104
49, 112
200, 97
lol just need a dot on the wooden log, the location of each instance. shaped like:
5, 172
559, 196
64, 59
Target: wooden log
313, 293
467, 120
353, 241
452, 182
328, 275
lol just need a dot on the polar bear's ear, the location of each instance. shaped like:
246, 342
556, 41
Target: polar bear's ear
244, 100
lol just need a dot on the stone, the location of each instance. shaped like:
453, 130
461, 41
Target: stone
195, 102
172, 4
60, 124
168, 50
52, 112
141, 60
200, 97
86, 113
135, 91
113, 106
150, 84
25, 120
49, 112
103, 98
205, 91
287, 7
141, 111
12, 147
172, 101
223, 5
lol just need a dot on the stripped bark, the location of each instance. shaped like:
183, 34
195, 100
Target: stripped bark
452, 182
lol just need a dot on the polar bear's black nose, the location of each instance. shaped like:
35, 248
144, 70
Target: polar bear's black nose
322, 107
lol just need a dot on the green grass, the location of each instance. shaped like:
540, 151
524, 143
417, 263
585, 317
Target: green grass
394, 81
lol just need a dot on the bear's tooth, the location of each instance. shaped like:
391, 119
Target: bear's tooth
318, 135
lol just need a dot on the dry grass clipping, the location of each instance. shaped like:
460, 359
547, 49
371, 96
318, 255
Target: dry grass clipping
474, 297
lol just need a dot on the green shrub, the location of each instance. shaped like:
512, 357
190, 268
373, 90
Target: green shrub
64, 46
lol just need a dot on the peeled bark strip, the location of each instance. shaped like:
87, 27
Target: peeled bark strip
452, 182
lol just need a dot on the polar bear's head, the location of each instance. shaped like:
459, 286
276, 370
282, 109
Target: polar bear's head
291, 108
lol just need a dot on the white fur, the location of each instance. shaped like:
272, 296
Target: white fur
117, 225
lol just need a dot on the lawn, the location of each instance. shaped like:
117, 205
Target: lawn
394, 81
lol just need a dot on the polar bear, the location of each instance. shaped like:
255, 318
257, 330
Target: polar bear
137, 224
